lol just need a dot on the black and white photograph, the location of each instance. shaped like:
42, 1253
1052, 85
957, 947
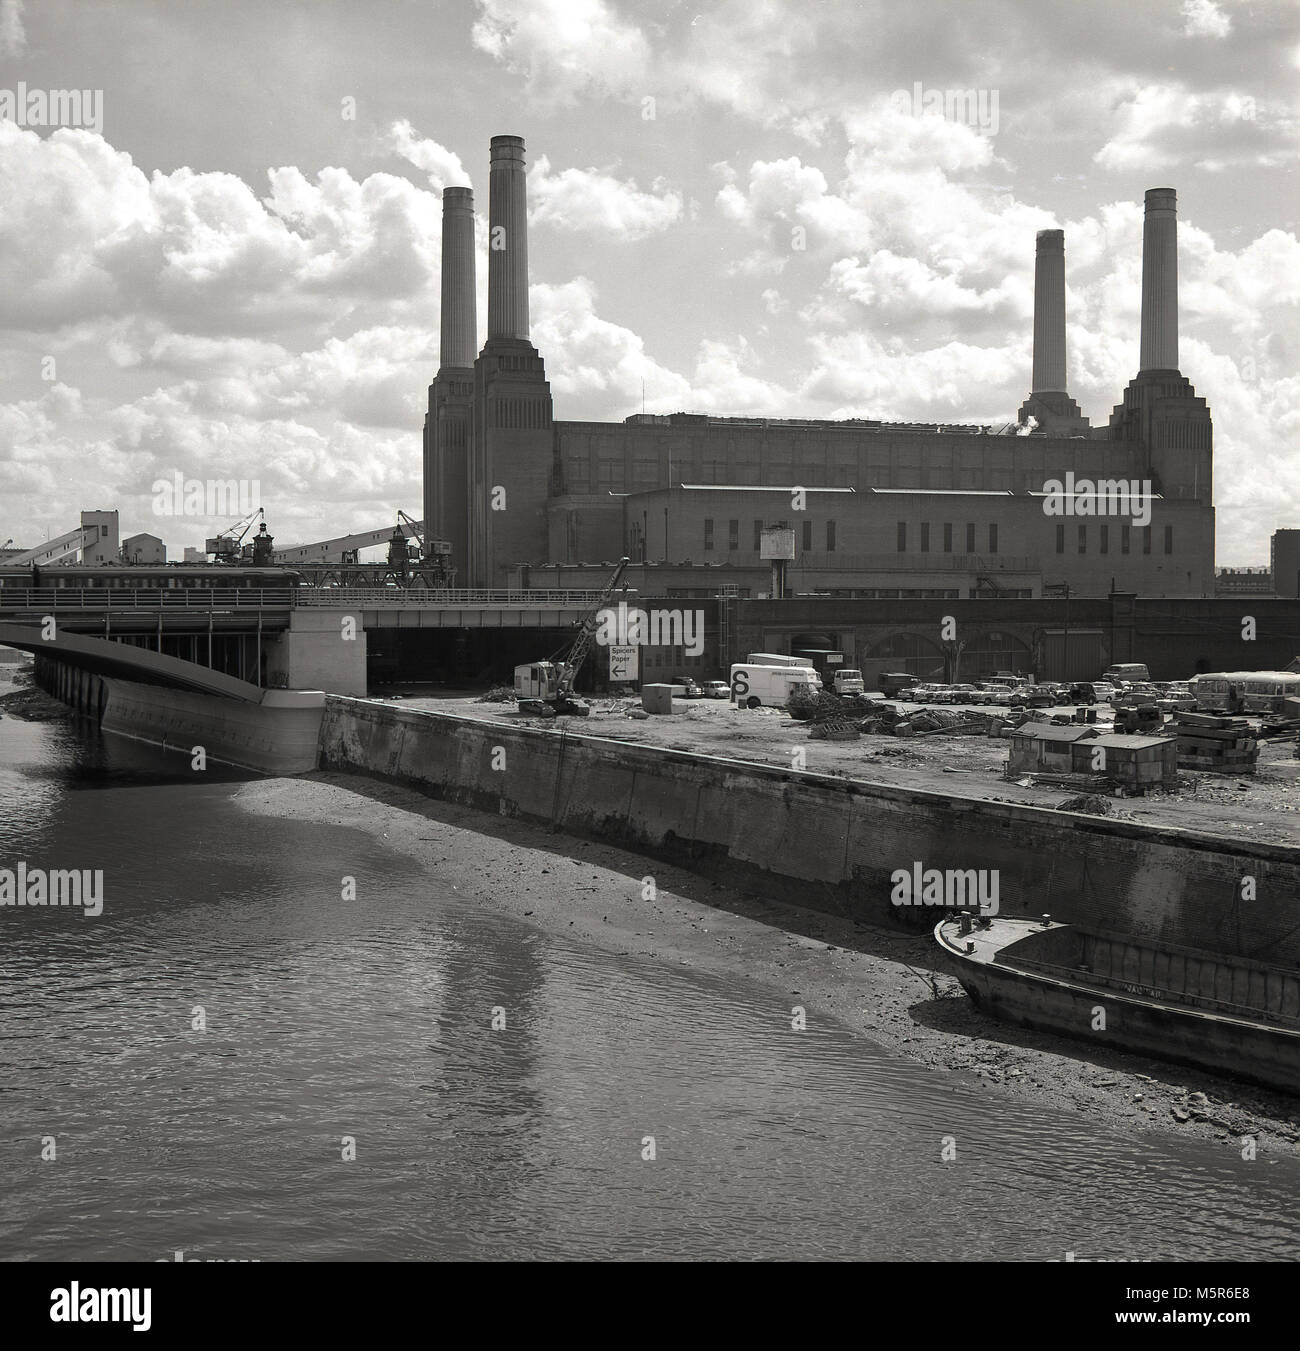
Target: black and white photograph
646, 631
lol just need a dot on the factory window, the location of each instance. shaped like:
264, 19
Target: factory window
1060, 539
733, 534
1123, 539
1105, 537
947, 537
993, 538
1146, 539
970, 539
807, 537
843, 477
902, 537
1083, 539
925, 537
830, 537
708, 535
1169, 539
758, 536
609, 474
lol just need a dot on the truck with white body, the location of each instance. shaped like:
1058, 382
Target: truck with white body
753, 684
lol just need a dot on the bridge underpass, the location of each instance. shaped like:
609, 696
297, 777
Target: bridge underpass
97, 656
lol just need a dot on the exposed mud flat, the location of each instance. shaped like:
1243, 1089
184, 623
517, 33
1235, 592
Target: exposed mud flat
882, 983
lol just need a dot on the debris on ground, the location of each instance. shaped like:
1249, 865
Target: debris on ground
498, 694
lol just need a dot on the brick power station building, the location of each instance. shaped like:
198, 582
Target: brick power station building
908, 511
900, 524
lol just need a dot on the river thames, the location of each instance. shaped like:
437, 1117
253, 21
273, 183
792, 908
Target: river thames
203, 1052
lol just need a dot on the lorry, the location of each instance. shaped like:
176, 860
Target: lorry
848, 681
753, 684
778, 659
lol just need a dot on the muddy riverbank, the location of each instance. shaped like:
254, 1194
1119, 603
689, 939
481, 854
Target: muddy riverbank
883, 984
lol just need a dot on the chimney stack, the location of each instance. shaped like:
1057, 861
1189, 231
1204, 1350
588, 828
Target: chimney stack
1049, 313
508, 241
458, 339
1159, 350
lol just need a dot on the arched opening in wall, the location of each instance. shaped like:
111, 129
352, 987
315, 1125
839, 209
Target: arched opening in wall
985, 654
822, 649
911, 653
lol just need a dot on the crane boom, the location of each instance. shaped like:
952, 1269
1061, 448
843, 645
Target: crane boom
545, 688
587, 633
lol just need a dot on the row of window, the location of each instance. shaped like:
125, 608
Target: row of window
948, 536
733, 536
1125, 538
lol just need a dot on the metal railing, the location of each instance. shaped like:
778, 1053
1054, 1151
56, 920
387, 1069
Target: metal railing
47, 598
341, 597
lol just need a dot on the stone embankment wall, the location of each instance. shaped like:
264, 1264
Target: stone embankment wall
830, 843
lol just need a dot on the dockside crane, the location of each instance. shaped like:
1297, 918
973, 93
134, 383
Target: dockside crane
545, 688
227, 545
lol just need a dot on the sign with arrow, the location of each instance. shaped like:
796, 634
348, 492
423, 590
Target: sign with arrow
624, 662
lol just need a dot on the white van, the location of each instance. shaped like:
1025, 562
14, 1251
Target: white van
753, 685
849, 681
1127, 673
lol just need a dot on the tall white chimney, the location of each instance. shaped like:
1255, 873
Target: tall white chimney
1049, 313
507, 240
458, 340
1159, 350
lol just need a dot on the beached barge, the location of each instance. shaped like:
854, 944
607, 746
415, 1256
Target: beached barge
1229, 1014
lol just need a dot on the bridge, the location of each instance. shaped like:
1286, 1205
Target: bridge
127, 661
291, 636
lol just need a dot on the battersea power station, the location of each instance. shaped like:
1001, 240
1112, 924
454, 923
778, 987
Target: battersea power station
921, 512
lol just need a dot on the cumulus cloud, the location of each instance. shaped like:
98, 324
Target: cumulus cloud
85, 233
442, 165
1164, 126
564, 47
1203, 18
588, 200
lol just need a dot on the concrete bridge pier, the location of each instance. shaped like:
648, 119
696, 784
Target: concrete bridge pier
322, 649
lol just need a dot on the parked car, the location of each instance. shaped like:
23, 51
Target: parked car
1081, 692
963, 694
1034, 696
1104, 691
716, 689
690, 690
1178, 696
928, 694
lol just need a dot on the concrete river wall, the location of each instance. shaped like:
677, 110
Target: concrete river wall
830, 843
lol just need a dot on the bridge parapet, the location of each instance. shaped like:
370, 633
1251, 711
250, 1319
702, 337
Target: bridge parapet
344, 598
50, 598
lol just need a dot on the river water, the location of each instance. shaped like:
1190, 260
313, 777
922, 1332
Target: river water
370, 1020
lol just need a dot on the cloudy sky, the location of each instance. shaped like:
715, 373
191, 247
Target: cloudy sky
231, 269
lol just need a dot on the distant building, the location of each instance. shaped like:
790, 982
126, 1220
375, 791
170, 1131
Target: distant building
1243, 582
1284, 553
143, 549
903, 510
195, 556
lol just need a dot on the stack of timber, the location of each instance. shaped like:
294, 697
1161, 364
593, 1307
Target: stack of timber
1219, 745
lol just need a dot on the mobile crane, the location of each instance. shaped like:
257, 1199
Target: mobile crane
545, 688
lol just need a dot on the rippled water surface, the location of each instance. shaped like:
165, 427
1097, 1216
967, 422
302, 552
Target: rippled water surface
371, 1019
